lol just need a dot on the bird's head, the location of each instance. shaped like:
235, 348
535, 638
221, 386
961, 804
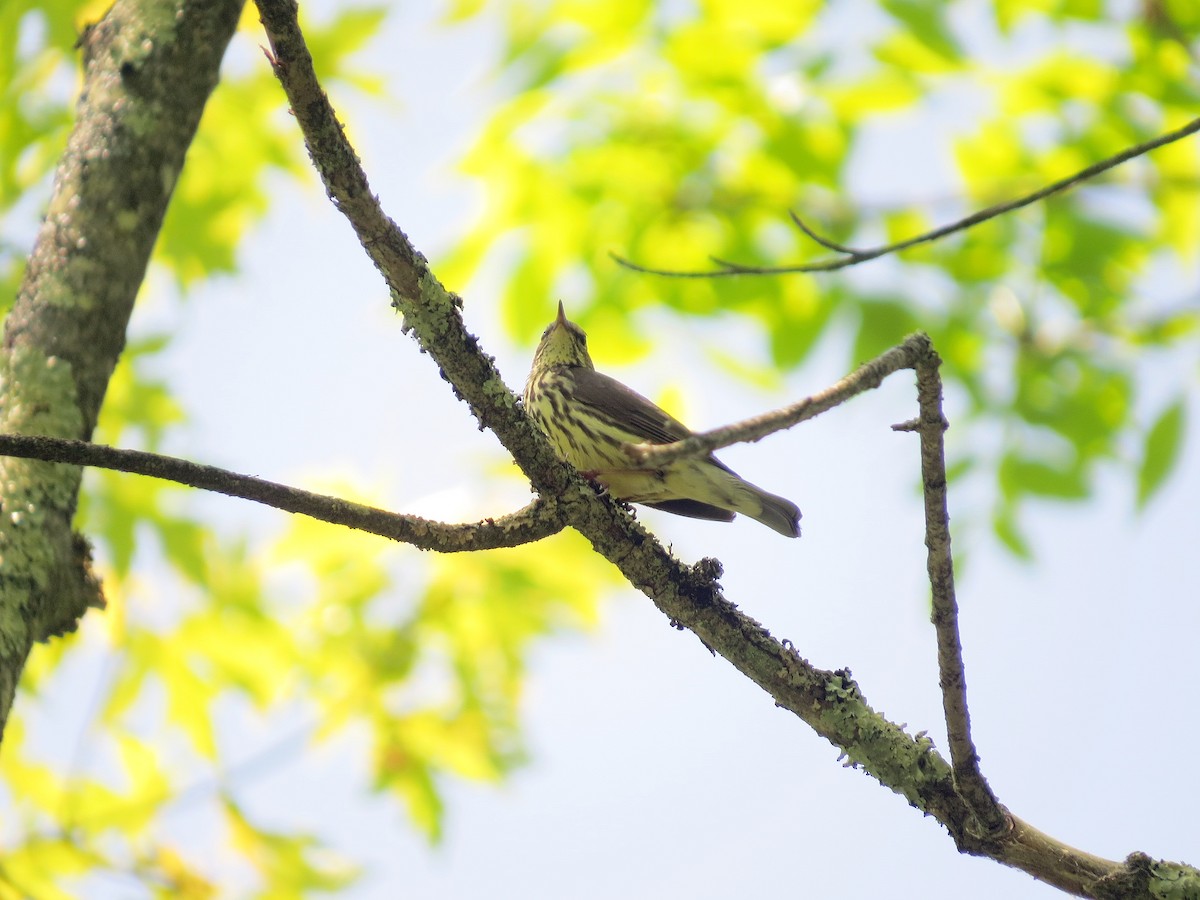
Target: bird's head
563, 344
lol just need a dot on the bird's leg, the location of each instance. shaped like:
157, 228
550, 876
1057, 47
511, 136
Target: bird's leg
595, 477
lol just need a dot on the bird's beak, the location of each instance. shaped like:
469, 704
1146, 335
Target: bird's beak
562, 315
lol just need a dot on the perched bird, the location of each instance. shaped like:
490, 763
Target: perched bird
589, 417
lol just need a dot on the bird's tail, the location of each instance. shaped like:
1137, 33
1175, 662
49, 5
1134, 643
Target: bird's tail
706, 489
777, 513
730, 491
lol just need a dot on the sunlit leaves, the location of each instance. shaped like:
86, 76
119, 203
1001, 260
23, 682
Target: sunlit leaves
75, 825
925, 43
35, 868
434, 671
37, 38
290, 865
885, 322
333, 45
680, 150
223, 189
1067, 394
430, 669
136, 401
36, 45
1176, 189
1006, 530
1060, 84
1092, 262
802, 310
189, 626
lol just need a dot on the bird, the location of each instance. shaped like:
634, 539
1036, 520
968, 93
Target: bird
590, 418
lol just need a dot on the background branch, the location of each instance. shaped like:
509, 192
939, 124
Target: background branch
852, 257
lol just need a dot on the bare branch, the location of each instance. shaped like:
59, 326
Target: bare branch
851, 257
931, 424
820, 239
866, 377
532, 523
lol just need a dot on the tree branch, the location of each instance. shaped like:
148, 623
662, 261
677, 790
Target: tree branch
538, 520
830, 702
931, 425
852, 257
866, 377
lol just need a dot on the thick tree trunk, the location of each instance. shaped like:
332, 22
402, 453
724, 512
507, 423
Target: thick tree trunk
150, 66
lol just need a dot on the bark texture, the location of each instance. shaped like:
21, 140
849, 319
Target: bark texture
149, 67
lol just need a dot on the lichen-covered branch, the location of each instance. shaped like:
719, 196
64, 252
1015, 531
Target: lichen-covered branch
149, 67
431, 313
931, 426
538, 520
830, 702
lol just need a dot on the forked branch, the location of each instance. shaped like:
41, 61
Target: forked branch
916, 352
931, 425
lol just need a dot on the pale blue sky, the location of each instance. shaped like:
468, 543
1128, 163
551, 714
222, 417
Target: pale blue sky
657, 770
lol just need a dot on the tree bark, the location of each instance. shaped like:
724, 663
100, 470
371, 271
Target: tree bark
149, 68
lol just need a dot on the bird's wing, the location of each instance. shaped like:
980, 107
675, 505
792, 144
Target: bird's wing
641, 417
694, 509
644, 419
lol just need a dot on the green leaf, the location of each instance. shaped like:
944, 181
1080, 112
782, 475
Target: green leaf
332, 46
291, 865
1005, 527
1161, 451
1026, 475
926, 23
885, 323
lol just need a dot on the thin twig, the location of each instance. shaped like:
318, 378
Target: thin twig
866, 377
852, 257
819, 238
532, 523
931, 424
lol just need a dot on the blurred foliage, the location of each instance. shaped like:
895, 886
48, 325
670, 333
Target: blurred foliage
311, 628
36, 40
676, 134
668, 133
